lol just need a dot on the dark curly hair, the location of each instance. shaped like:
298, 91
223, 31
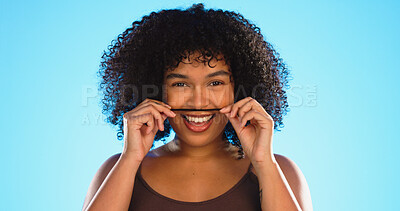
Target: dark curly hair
138, 57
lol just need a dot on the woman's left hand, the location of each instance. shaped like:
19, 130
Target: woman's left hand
256, 137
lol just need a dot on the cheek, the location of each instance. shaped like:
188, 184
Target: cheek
170, 97
176, 122
176, 97
221, 120
228, 97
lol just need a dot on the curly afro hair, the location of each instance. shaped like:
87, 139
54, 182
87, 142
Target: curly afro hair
138, 57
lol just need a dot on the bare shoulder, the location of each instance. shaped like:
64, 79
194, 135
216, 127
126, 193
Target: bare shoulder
296, 180
106, 167
110, 162
99, 177
288, 166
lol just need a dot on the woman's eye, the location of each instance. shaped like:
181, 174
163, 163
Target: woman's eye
178, 84
216, 83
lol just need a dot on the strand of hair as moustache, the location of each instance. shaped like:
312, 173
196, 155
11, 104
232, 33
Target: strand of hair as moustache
183, 109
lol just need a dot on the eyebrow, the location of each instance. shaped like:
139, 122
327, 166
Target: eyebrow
177, 75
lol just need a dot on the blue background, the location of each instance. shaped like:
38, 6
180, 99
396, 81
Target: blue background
344, 98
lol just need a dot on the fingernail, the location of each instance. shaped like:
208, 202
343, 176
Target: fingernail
223, 109
231, 114
173, 113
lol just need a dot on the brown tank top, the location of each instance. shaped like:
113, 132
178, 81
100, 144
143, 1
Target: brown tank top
242, 196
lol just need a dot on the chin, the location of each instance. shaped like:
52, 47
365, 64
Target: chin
196, 140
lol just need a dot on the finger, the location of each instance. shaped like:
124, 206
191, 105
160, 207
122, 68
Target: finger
249, 105
135, 120
156, 112
234, 121
160, 103
148, 101
158, 119
164, 117
146, 120
151, 117
160, 123
142, 104
150, 125
261, 119
226, 109
239, 104
161, 109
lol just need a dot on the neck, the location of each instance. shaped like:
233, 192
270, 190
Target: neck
211, 151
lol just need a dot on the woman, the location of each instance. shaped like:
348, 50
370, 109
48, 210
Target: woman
210, 76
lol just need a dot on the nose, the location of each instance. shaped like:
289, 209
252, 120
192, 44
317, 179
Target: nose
199, 98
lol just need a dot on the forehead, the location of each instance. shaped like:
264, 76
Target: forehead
196, 66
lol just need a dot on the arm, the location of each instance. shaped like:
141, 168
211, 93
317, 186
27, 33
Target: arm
276, 191
112, 186
282, 185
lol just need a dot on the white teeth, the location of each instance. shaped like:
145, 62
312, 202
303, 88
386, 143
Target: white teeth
197, 119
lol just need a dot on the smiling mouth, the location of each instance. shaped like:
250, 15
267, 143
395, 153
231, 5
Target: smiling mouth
198, 119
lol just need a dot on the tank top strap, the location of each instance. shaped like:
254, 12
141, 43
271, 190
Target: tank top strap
250, 167
139, 169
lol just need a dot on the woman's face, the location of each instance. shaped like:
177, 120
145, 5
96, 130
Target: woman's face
197, 86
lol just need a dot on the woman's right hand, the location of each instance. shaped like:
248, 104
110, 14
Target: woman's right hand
141, 125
